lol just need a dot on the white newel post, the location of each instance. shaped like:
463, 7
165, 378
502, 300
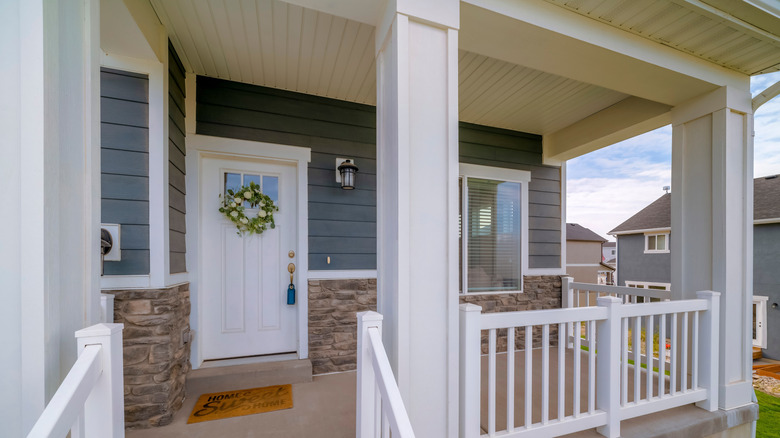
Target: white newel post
104, 410
417, 208
709, 347
712, 222
470, 356
368, 401
608, 366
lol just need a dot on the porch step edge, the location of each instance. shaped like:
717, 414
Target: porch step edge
245, 376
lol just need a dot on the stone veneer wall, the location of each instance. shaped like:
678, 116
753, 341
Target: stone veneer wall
156, 345
333, 308
539, 292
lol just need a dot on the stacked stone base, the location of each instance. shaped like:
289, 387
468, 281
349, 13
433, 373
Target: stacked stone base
333, 308
156, 349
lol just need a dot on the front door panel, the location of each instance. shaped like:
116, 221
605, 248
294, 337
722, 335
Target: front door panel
244, 278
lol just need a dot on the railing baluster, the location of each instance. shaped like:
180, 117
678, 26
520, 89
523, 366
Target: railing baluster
576, 378
695, 352
545, 373
649, 336
529, 361
637, 346
624, 358
684, 351
662, 356
592, 368
492, 382
510, 379
561, 371
673, 363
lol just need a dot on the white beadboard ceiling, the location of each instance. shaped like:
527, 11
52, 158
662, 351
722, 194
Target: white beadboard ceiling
274, 44
280, 45
691, 26
496, 93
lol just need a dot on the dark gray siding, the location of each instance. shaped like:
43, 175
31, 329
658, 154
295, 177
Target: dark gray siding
766, 280
634, 265
124, 166
342, 223
516, 150
176, 153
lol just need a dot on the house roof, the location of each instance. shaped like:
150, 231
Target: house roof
609, 244
658, 215
766, 198
578, 232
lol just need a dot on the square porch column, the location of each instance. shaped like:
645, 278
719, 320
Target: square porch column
712, 223
417, 174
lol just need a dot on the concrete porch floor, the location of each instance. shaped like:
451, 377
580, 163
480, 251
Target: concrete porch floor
325, 407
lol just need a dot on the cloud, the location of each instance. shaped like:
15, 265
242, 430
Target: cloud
606, 187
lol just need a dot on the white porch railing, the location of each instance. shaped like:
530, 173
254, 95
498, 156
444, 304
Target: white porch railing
90, 401
591, 394
585, 294
380, 408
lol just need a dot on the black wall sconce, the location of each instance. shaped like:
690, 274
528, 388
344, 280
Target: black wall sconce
346, 173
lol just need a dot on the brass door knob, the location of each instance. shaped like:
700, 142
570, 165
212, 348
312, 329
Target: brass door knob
291, 268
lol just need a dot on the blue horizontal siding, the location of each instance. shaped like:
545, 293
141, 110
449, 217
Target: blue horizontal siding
124, 166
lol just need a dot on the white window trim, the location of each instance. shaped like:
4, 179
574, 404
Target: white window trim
656, 251
523, 177
159, 256
647, 284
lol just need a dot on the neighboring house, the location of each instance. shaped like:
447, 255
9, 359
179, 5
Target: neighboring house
584, 256
609, 253
644, 256
137, 115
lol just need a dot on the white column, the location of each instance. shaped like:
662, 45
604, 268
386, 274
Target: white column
712, 222
417, 158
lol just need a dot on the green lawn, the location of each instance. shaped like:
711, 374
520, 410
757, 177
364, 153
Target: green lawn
768, 425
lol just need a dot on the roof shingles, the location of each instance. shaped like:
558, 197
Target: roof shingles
658, 215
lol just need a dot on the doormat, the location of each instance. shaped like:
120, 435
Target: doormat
229, 404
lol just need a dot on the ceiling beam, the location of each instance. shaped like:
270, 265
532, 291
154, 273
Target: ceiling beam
628, 118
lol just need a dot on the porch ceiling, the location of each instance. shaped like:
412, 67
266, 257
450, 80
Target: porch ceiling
733, 34
282, 45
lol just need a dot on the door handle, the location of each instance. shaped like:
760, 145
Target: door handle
291, 288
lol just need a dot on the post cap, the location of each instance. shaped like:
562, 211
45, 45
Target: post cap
102, 329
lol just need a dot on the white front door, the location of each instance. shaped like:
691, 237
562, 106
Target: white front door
244, 279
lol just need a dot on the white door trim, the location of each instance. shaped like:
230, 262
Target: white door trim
197, 147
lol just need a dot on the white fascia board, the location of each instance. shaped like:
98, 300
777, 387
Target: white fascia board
568, 44
628, 118
645, 231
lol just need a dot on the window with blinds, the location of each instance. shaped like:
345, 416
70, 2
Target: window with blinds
492, 236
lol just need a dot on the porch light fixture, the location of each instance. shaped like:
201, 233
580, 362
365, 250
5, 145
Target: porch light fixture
347, 171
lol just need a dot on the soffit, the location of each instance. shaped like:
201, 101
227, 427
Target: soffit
696, 28
274, 44
504, 95
280, 45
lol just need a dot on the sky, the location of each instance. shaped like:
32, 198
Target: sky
606, 187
